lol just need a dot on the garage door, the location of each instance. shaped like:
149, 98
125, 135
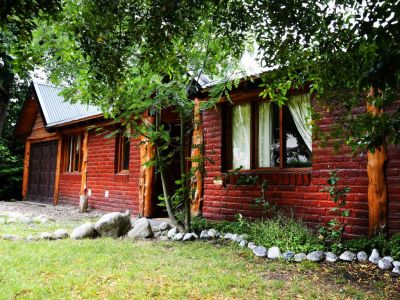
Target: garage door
42, 171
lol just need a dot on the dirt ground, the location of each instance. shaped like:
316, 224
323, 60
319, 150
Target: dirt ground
60, 213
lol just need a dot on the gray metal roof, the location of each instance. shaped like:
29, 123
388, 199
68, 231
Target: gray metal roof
56, 110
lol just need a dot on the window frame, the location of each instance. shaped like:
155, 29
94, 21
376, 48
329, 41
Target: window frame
120, 144
69, 159
227, 147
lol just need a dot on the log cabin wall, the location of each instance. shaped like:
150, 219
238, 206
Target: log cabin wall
106, 189
39, 131
299, 191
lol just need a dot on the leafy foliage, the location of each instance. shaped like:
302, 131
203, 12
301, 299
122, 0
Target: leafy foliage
284, 232
334, 229
384, 245
10, 173
341, 50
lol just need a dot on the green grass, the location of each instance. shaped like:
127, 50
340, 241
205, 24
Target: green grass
115, 269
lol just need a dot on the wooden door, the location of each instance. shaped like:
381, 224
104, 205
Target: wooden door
42, 171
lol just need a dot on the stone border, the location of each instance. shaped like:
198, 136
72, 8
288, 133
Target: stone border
118, 224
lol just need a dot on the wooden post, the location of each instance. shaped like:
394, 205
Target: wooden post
146, 181
377, 188
197, 156
58, 170
82, 191
26, 169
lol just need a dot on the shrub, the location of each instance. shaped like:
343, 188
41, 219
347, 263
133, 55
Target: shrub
292, 235
385, 246
394, 246
11, 168
286, 233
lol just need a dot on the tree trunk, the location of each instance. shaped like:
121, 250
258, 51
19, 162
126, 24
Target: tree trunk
4, 102
197, 160
161, 169
184, 186
147, 153
377, 187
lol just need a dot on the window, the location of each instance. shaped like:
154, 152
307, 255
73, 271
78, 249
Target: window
122, 153
260, 134
73, 153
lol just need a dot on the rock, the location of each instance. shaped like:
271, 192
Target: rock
204, 235
178, 236
188, 237
115, 224
163, 238
43, 219
26, 220
172, 232
12, 214
46, 236
362, 256
212, 233
243, 237
238, 238
11, 220
260, 251
243, 243
389, 258
251, 245
396, 263
142, 229
234, 237
84, 231
384, 264
348, 256
10, 237
228, 236
195, 235
299, 257
60, 234
31, 238
274, 253
289, 255
374, 257
157, 234
164, 226
396, 270
134, 220
331, 257
316, 256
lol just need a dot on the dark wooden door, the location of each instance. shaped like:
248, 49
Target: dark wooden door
42, 172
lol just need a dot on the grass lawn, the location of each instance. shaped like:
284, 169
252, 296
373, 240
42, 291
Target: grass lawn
114, 269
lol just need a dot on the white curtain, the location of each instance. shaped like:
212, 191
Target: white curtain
299, 106
264, 134
241, 136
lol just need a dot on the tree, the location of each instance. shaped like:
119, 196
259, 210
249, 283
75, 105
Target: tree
135, 58
349, 51
17, 20
131, 57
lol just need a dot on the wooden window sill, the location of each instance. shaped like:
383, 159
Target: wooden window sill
122, 176
72, 173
